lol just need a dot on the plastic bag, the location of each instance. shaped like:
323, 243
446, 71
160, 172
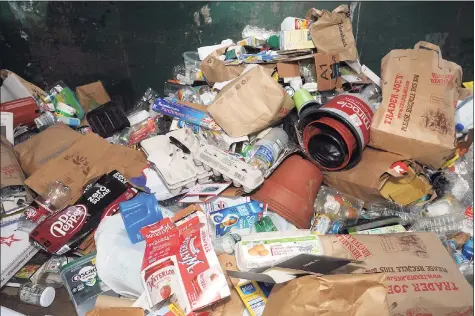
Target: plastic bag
118, 261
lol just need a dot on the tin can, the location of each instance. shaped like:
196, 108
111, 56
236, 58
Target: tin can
37, 294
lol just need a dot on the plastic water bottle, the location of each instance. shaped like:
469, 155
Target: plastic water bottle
268, 149
440, 224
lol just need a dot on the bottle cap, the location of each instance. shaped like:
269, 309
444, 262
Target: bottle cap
47, 297
459, 127
273, 41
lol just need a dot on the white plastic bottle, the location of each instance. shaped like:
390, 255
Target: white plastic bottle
268, 149
464, 116
291, 23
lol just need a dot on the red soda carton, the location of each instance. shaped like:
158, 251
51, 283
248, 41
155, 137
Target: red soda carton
180, 260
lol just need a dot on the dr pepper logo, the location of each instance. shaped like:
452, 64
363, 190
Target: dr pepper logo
69, 221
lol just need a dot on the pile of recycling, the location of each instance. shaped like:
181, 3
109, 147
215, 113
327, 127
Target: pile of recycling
274, 175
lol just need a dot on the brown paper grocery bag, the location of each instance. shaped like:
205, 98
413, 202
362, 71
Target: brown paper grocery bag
330, 295
333, 32
250, 103
92, 95
363, 180
39, 149
215, 70
416, 116
11, 173
421, 276
85, 160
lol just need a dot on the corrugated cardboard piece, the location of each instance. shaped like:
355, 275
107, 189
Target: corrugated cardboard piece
330, 295
416, 117
421, 276
116, 311
250, 103
288, 70
328, 72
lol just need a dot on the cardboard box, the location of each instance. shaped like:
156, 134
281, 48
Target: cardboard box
286, 70
328, 71
16, 250
296, 39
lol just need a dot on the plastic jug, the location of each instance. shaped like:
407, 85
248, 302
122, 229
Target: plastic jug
139, 212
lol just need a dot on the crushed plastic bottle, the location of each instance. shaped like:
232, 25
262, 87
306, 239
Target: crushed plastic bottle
268, 149
439, 224
393, 209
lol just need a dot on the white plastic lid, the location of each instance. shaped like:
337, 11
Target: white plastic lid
47, 297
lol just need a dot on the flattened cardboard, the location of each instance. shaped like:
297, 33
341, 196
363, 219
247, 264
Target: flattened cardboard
328, 71
116, 311
287, 270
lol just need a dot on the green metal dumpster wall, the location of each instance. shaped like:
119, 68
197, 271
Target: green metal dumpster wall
133, 45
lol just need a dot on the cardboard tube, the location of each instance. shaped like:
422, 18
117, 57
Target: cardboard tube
104, 301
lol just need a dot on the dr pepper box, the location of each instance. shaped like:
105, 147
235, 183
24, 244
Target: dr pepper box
64, 230
179, 260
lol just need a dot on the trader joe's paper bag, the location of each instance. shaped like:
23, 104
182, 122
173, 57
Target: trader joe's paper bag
333, 33
330, 295
250, 103
41, 148
215, 70
416, 117
421, 277
85, 160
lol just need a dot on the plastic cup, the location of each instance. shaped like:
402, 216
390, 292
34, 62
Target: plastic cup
302, 98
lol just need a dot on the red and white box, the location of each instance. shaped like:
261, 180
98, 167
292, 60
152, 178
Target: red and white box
180, 260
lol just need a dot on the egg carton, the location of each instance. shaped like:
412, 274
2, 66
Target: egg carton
173, 161
230, 167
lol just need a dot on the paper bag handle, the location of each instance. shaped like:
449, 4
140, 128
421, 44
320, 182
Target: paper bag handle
428, 46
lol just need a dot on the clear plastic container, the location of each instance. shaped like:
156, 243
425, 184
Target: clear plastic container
337, 205
268, 149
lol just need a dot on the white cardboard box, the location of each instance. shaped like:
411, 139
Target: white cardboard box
16, 249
